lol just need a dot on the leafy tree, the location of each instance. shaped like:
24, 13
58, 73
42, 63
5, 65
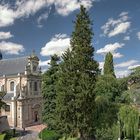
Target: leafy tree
49, 80
107, 86
77, 77
129, 121
109, 66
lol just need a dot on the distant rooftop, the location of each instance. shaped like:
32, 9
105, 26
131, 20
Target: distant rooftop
13, 66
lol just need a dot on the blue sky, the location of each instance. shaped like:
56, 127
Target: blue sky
46, 26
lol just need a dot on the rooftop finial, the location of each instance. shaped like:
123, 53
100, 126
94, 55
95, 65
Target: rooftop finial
33, 53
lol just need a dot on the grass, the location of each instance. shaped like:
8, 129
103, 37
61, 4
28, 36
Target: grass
49, 135
2, 136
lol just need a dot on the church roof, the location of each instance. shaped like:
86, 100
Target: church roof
13, 66
8, 96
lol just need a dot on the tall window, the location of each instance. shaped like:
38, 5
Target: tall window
7, 108
12, 86
35, 86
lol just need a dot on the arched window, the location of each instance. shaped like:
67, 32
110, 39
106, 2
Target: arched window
35, 86
12, 85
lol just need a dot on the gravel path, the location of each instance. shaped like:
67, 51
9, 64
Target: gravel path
31, 133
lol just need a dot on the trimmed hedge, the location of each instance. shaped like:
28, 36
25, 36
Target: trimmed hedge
46, 134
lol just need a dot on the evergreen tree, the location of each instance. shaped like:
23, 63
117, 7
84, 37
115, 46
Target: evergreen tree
77, 77
109, 66
49, 91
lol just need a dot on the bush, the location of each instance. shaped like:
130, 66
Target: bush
46, 134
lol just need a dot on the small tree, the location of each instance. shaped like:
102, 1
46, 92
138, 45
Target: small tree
109, 66
129, 121
49, 80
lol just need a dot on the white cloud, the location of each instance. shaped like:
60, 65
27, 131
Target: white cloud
117, 55
57, 45
138, 35
25, 8
120, 28
122, 73
11, 48
126, 64
126, 38
7, 16
5, 35
101, 65
111, 48
44, 63
114, 27
133, 66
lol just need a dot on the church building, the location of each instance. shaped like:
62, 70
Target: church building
20, 80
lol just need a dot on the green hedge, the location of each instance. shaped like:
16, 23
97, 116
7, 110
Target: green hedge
46, 134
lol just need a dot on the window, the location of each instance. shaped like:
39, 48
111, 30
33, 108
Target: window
7, 108
2, 88
12, 86
35, 86
34, 68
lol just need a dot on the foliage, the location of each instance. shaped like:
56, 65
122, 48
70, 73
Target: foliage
77, 76
69, 138
105, 113
108, 65
138, 136
107, 86
110, 133
49, 91
129, 121
46, 134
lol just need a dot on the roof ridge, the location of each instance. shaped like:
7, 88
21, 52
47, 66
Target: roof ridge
13, 58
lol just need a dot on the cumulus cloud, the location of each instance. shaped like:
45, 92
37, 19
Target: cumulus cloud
101, 65
138, 35
44, 63
122, 73
7, 15
11, 48
25, 8
5, 35
57, 45
114, 27
111, 48
126, 64
133, 66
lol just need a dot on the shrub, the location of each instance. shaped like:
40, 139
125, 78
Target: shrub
46, 134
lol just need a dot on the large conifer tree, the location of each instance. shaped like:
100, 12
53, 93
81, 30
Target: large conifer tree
109, 66
77, 77
49, 81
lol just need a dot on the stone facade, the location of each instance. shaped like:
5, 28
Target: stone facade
23, 91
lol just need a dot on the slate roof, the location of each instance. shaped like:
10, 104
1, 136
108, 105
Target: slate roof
8, 96
13, 66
